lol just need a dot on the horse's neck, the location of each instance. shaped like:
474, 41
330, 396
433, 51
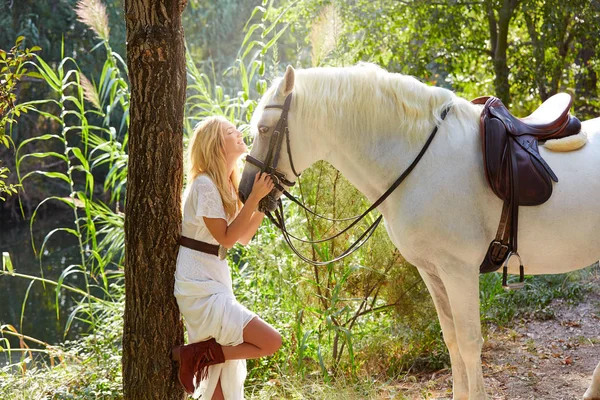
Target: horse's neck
372, 162
368, 162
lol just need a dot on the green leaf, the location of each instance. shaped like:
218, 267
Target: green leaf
54, 175
7, 263
77, 152
48, 74
34, 74
256, 10
68, 201
71, 317
44, 155
250, 32
71, 269
324, 371
42, 137
52, 232
25, 302
273, 40
250, 46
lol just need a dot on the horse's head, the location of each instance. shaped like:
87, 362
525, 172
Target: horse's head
270, 147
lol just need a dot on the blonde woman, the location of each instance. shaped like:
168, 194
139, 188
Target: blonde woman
222, 332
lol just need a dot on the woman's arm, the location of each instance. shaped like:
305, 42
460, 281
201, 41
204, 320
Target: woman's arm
255, 222
227, 236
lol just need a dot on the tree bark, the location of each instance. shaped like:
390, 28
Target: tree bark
539, 54
586, 81
499, 45
156, 62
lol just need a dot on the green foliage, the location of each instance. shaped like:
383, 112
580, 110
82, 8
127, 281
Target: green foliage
73, 370
501, 307
6, 188
549, 46
216, 30
90, 139
366, 315
348, 327
12, 70
54, 25
208, 96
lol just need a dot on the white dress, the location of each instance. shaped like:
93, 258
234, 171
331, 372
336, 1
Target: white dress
204, 292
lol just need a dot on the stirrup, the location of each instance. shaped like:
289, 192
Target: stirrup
513, 286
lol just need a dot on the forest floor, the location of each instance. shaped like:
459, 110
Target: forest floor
549, 359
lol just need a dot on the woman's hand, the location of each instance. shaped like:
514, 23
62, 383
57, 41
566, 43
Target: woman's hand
247, 221
263, 184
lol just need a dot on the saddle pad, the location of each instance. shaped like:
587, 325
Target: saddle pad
569, 143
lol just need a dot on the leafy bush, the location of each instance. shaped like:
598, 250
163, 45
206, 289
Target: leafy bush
12, 70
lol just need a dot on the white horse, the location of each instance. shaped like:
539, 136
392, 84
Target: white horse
370, 125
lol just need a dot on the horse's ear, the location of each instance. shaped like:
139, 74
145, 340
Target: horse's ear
287, 83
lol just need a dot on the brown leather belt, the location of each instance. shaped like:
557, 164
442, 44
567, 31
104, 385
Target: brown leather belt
199, 246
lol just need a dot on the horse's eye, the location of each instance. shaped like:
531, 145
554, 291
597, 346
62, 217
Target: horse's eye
263, 129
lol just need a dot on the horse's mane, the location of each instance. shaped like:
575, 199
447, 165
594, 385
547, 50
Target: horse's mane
366, 98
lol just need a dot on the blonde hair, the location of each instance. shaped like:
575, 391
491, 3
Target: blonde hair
206, 155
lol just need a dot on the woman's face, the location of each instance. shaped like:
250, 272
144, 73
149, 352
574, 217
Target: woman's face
232, 141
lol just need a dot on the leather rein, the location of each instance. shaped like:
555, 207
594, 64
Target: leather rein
269, 166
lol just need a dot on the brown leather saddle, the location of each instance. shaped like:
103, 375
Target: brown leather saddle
514, 168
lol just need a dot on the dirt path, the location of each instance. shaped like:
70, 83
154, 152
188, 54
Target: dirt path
549, 360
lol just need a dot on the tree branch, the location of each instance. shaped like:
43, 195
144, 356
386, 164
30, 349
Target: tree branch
493, 25
538, 54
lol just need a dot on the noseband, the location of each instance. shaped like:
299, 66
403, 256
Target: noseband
272, 159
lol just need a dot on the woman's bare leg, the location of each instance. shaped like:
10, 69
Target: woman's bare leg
260, 339
218, 393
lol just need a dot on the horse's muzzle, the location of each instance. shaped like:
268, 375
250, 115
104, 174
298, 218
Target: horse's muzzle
269, 202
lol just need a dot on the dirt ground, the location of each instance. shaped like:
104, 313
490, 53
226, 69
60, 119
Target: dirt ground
549, 360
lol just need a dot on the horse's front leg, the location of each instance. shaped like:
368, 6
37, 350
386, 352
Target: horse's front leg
462, 288
593, 392
460, 382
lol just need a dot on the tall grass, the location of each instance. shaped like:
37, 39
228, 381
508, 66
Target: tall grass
88, 142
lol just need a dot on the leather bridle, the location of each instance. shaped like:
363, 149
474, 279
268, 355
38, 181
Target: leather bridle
277, 217
272, 159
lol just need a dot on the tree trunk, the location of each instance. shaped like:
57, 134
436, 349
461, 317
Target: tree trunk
499, 45
156, 62
586, 80
539, 55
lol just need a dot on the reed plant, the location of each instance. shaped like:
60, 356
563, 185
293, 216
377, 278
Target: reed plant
90, 145
90, 141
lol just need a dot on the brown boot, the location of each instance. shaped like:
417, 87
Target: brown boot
194, 360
